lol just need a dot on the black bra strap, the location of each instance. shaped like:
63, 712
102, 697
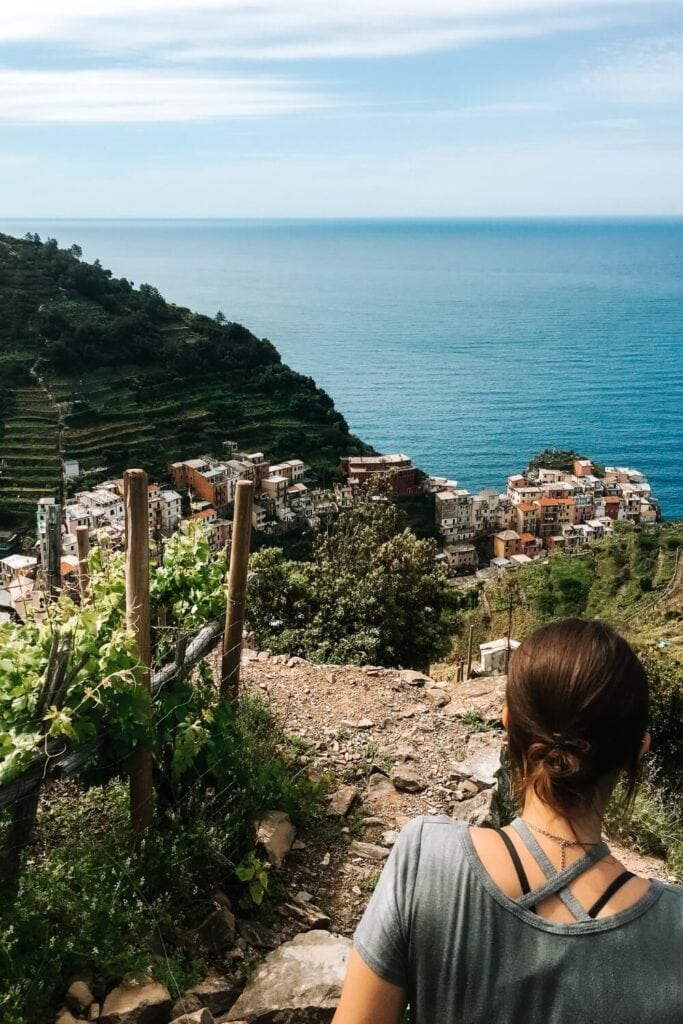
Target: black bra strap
515, 858
609, 892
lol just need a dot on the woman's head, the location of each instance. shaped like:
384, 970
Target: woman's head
577, 706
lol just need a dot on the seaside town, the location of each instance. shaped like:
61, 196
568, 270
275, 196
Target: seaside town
482, 534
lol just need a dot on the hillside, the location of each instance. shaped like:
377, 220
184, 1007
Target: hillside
633, 579
95, 369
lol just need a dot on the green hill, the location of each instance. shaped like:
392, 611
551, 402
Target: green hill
94, 369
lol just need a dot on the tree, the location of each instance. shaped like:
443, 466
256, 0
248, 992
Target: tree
373, 594
220, 317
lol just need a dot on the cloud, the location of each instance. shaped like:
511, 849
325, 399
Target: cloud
123, 95
295, 29
650, 74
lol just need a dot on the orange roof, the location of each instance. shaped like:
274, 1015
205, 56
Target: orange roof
527, 537
66, 567
204, 514
555, 501
525, 507
612, 498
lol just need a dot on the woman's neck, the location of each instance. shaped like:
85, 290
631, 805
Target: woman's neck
585, 826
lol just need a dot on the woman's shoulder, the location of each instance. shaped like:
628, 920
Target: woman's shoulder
431, 835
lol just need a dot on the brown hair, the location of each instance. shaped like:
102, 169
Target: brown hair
577, 700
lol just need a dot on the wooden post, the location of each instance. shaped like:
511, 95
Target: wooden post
469, 653
83, 540
53, 550
507, 650
137, 621
237, 587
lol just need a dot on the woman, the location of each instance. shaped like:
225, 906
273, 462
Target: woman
537, 922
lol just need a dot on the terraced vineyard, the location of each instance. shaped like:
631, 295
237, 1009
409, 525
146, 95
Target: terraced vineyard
95, 370
29, 454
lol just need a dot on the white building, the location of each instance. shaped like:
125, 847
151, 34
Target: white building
493, 656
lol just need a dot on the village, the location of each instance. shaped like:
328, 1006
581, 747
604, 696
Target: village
483, 534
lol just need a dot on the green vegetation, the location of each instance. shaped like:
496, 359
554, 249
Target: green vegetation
111, 375
84, 899
561, 458
372, 594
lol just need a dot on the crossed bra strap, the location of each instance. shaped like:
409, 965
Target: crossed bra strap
557, 881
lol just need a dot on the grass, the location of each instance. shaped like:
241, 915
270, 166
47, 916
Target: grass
654, 825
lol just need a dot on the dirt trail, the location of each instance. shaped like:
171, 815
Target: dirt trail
363, 728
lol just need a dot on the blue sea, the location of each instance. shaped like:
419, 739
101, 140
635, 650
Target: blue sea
468, 344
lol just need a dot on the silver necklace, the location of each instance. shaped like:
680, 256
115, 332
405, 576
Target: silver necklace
563, 843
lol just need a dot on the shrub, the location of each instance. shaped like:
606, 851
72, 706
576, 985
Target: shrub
86, 902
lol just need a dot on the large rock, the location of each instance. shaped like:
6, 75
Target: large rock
276, 834
406, 779
341, 801
79, 998
148, 1003
413, 678
481, 762
299, 983
217, 932
380, 789
480, 810
483, 697
216, 993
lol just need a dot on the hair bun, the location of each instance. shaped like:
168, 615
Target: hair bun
562, 759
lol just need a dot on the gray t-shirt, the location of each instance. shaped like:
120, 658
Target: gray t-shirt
466, 953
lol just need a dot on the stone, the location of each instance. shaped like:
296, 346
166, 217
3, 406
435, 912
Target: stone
481, 762
263, 656
294, 661
372, 820
185, 1005
484, 697
249, 655
406, 779
466, 790
94, 1011
365, 723
258, 935
389, 838
341, 801
368, 850
437, 697
299, 982
379, 787
79, 998
307, 914
413, 678
217, 932
276, 834
147, 1003
216, 993
480, 810
65, 1016
202, 1016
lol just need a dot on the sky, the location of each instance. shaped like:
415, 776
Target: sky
341, 108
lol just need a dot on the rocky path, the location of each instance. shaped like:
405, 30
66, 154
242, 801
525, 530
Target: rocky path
392, 745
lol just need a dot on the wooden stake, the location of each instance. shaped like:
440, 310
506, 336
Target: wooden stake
137, 620
83, 540
469, 652
53, 550
237, 587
